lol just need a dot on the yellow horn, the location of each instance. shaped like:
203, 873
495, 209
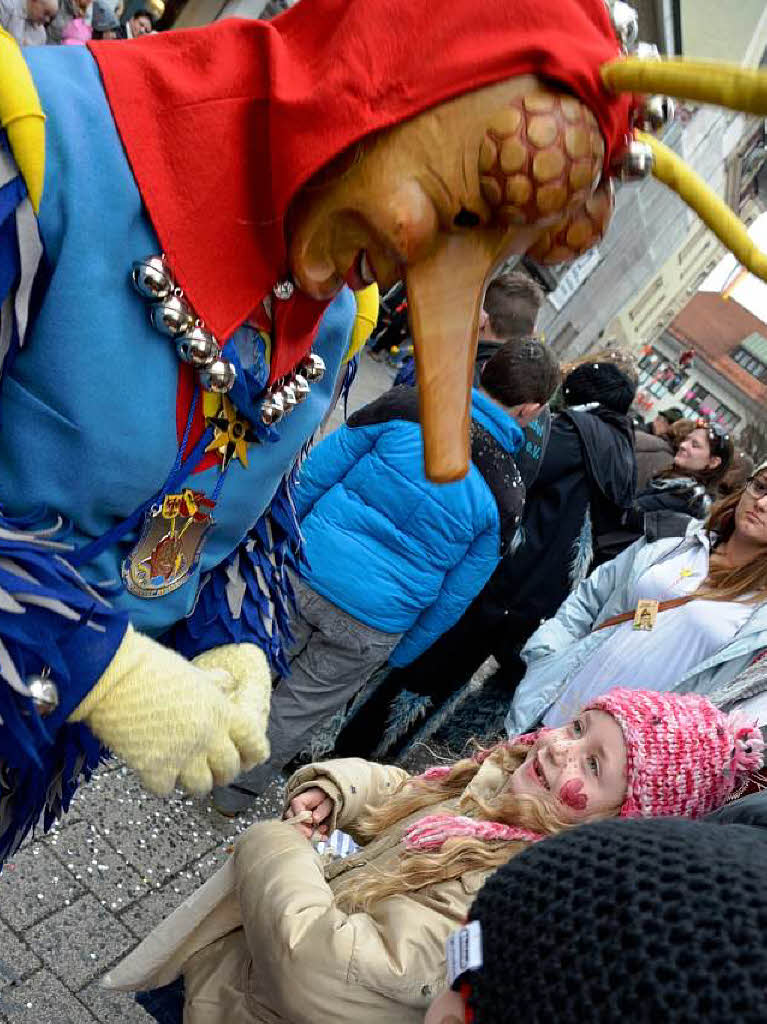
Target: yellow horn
714, 212
22, 117
724, 85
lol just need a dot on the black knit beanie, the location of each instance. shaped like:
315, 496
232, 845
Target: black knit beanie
601, 382
638, 921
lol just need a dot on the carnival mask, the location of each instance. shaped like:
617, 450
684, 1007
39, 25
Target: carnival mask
442, 199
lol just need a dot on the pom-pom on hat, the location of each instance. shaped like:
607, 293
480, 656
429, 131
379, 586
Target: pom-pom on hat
685, 757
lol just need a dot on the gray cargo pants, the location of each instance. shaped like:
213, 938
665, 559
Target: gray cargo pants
332, 657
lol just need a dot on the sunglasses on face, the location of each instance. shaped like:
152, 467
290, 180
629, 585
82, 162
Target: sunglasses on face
718, 437
757, 487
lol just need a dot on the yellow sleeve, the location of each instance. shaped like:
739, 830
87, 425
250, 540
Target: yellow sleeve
22, 116
364, 321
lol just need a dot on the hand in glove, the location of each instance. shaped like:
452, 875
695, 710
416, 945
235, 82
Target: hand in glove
175, 721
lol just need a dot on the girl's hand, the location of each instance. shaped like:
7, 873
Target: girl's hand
318, 803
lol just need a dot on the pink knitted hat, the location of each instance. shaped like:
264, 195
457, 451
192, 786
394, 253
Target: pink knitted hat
685, 757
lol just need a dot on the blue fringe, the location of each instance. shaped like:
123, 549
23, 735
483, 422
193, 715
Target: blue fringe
255, 579
349, 374
42, 760
15, 273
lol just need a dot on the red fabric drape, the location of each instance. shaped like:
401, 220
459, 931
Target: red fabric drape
222, 125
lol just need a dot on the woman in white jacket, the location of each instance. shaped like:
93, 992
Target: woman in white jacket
702, 621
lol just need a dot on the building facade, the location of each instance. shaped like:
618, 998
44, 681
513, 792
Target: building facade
656, 252
726, 381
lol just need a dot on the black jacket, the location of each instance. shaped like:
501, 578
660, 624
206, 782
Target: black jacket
586, 483
667, 497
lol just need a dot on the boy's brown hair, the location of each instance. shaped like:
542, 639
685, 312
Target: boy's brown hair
521, 371
512, 302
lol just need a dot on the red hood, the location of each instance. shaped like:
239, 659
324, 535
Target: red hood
222, 125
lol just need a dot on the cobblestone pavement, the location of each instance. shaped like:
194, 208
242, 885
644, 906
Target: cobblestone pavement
75, 901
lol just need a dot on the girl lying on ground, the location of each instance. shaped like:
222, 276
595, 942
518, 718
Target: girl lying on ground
280, 935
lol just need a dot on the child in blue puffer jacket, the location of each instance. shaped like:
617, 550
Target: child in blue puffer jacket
393, 560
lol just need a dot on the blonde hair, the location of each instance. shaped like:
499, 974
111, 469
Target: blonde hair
746, 582
415, 869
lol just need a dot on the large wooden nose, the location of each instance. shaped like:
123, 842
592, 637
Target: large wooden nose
445, 294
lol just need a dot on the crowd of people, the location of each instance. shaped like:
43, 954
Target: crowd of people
638, 614
616, 574
74, 22
562, 526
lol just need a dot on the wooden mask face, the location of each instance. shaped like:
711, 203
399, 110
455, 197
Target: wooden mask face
441, 200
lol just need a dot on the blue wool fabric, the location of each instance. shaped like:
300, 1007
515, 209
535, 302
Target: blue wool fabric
88, 436
386, 545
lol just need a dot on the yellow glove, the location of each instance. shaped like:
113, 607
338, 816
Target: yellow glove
172, 720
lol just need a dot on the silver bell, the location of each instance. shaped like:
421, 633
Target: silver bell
272, 408
301, 387
647, 51
637, 162
151, 278
657, 112
288, 392
173, 316
283, 290
313, 367
44, 693
197, 347
626, 24
219, 376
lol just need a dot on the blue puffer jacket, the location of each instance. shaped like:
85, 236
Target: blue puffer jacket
395, 551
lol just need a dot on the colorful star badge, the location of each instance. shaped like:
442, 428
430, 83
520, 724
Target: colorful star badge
231, 434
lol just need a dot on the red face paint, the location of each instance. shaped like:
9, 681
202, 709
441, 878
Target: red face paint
571, 795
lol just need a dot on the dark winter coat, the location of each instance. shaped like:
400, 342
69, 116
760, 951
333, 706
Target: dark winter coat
666, 496
653, 455
586, 483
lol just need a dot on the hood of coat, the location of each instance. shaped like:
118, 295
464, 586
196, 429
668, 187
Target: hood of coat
497, 421
607, 439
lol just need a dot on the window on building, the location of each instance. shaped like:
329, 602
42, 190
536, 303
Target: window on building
698, 401
750, 363
659, 376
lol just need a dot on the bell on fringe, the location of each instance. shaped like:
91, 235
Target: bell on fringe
172, 316
272, 408
151, 278
656, 113
44, 693
283, 290
637, 162
313, 367
197, 347
288, 392
301, 387
219, 376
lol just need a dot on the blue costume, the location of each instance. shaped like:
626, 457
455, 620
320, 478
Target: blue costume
90, 416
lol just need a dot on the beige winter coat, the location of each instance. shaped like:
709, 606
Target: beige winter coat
263, 941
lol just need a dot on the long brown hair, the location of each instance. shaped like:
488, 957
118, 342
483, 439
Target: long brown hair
457, 856
746, 582
709, 478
